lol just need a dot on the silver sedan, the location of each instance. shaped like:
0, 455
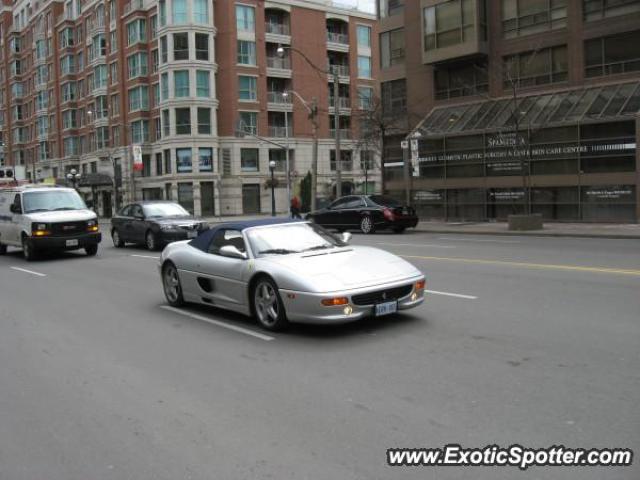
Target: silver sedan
283, 271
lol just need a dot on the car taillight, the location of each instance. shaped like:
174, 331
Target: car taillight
388, 214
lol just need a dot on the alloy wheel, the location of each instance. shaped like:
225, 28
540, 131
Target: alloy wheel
366, 225
171, 283
266, 303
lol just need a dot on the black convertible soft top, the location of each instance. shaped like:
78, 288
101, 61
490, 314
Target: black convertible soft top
203, 240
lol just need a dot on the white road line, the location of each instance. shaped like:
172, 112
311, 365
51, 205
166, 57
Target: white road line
484, 240
146, 256
195, 316
28, 271
449, 294
416, 245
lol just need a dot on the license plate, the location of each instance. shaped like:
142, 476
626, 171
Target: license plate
192, 234
386, 308
72, 243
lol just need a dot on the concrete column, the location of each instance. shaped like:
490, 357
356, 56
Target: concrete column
197, 206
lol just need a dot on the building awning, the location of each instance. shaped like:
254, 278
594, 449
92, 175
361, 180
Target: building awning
95, 180
584, 105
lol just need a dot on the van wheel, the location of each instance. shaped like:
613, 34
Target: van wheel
91, 249
28, 250
3, 249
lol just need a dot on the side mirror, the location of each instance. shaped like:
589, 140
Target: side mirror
345, 237
233, 252
15, 208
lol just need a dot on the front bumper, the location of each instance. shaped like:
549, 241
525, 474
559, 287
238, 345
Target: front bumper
305, 307
168, 236
66, 243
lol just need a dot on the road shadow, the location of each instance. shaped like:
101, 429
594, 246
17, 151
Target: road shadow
49, 256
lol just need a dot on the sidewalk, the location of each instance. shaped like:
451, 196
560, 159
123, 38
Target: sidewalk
584, 230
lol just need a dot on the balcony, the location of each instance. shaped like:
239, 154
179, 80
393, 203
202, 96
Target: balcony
280, 131
279, 67
345, 134
276, 101
337, 35
341, 70
277, 28
343, 102
133, 5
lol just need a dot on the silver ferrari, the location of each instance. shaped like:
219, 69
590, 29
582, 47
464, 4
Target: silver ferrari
282, 271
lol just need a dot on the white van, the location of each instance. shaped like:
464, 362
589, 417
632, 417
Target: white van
38, 218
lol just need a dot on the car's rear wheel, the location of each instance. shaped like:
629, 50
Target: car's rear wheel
117, 239
366, 225
398, 229
28, 250
172, 286
152, 242
268, 306
91, 249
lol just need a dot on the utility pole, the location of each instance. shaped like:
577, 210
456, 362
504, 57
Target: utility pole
336, 122
313, 115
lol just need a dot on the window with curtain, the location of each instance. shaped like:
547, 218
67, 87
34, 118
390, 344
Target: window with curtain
245, 18
448, 23
164, 86
203, 83
181, 46
205, 159
246, 52
179, 12
183, 160
204, 121
202, 46
183, 121
392, 48
249, 122
200, 11
139, 98
249, 159
166, 124
247, 88
364, 66
364, 36
181, 83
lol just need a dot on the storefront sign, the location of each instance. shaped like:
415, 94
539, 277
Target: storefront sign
609, 193
426, 195
505, 140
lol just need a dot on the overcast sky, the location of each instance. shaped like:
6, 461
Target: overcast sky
364, 5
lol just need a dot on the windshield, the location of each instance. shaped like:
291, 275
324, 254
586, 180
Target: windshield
52, 200
164, 210
385, 201
290, 238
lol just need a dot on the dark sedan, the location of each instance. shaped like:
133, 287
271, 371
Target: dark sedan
154, 224
367, 213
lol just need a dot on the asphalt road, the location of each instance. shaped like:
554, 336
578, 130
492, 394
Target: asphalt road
534, 341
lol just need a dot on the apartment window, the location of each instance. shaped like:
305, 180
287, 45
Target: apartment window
102, 140
42, 100
460, 80
346, 160
115, 105
162, 9
113, 41
394, 97
245, 18
164, 86
66, 37
154, 26
183, 121
448, 24
205, 159
41, 50
114, 72
163, 49
100, 76
98, 47
69, 92
249, 122
596, 9
612, 55
137, 64
156, 94
246, 52
158, 164
183, 160
364, 36
388, 8
364, 67
202, 46
166, 154
525, 17
158, 128
154, 61
181, 46
136, 31
101, 109
69, 119
115, 137
140, 131
70, 145
67, 65
365, 98
203, 83
139, 98
166, 126
538, 67
204, 121
179, 12
200, 11
249, 159
247, 88
367, 161
392, 48
181, 83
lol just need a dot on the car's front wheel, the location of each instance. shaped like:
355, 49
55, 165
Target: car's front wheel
172, 286
268, 306
152, 241
366, 225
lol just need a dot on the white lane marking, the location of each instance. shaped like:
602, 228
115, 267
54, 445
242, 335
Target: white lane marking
195, 316
28, 271
146, 256
485, 240
416, 245
449, 294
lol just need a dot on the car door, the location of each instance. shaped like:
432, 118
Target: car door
138, 224
334, 215
122, 222
221, 278
352, 212
17, 216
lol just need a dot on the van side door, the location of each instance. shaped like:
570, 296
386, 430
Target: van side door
15, 226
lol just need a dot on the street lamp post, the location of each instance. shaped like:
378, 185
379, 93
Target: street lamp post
272, 167
336, 93
414, 137
73, 176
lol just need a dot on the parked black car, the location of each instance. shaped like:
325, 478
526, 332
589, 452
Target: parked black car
154, 224
367, 213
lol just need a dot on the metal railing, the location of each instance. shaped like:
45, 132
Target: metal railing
277, 28
343, 102
334, 37
342, 70
280, 131
278, 97
345, 133
275, 62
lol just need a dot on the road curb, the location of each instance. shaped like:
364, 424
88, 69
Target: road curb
616, 236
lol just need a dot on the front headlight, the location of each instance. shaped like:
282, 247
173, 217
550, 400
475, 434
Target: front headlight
167, 227
40, 229
92, 226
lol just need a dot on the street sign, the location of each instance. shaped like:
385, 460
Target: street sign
137, 157
404, 144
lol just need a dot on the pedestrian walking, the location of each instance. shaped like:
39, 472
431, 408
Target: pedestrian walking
295, 207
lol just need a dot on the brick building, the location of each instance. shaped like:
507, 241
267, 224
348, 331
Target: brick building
82, 82
520, 105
